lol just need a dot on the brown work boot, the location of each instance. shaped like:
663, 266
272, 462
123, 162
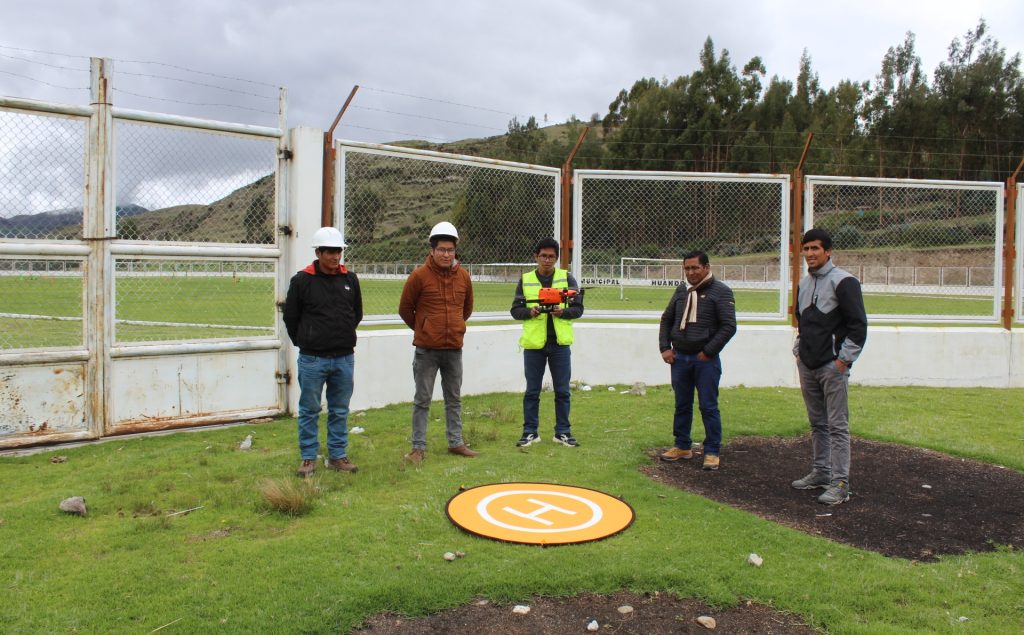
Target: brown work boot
674, 454
710, 462
416, 455
307, 468
342, 465
462, 450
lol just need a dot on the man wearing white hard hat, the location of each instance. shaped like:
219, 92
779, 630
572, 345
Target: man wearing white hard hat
436, 302
322, 310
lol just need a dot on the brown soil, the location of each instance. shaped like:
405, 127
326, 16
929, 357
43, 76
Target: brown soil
906, 502
950, 257
652, 615
967, 506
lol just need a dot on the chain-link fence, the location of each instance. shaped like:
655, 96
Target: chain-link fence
166, 300
42, 198
40, 302
186, 185
629, 223
389, 198
42, 159
922, 250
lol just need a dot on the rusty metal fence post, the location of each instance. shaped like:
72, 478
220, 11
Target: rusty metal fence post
1009, 247
798, 227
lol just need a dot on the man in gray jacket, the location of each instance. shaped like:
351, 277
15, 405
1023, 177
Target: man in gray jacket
831, 329
698, 322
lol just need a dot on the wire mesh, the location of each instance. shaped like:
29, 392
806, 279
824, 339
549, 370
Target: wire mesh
920, 249
42, 162
41, 302
188, 185
630, 221
176, 299
391, 200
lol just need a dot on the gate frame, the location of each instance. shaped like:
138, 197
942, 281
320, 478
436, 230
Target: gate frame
99, 247
342, 147
932, 184
784, 181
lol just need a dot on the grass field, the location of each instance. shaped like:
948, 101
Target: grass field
173, 308
374, 540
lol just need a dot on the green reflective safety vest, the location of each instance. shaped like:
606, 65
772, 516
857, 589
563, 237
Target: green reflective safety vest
535, 330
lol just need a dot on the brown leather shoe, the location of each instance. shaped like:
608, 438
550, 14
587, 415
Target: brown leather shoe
711, 462
342, 465
674, 454
307, 468
416, 455
462, 450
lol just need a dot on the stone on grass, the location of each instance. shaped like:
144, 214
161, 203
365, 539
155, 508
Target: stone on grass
449, 556
707, 622
639, 388
246, 443
625, 609
73, 505
593, 626
586, 388
612, 388
58, 459
755, 560
520, 609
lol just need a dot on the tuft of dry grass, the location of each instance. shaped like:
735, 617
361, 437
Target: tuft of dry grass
293, 497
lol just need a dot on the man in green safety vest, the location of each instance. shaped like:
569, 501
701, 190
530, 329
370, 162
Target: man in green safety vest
547, 335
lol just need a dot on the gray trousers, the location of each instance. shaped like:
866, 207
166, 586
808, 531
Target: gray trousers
825, 393
425, 364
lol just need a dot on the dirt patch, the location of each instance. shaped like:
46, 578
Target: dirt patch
906, 502
652, 615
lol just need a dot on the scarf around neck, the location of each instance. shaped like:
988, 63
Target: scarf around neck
690, 312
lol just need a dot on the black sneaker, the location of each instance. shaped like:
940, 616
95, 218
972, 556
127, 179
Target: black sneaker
566, 439
527, 439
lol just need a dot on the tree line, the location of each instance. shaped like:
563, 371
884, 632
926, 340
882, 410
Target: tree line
965, 122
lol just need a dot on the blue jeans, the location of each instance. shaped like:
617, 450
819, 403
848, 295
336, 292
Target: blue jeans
314, 373
688, 372
559, 360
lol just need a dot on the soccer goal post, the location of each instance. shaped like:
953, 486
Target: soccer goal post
649, 272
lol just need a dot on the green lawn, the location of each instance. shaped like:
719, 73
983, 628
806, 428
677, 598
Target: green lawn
174, 308
374, 540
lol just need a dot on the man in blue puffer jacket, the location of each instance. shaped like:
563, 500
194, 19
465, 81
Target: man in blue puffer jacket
698, 322
831, 329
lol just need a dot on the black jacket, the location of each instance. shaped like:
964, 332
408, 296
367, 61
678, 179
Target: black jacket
322, 311
715, 325
831, 320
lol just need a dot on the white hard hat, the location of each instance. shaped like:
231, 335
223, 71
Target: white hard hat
444, 228
328, 237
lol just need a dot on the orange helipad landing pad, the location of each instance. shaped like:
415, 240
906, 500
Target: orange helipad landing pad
539, 513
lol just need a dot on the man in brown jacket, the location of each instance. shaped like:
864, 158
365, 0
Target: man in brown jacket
436, 302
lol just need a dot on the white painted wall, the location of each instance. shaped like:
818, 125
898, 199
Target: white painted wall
757, 356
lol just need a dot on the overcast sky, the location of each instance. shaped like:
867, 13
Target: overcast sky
472, 64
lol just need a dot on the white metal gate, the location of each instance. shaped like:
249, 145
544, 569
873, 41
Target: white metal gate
137, 292
923, 250
633, 228
388, 197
